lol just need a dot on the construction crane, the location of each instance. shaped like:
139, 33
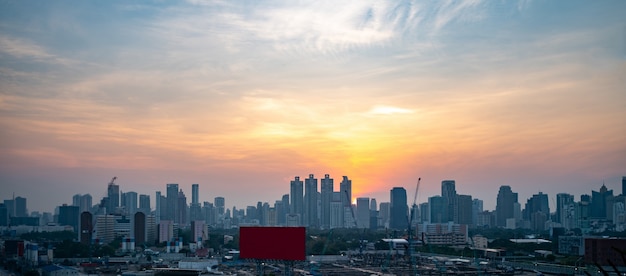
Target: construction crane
113, 180
409, 226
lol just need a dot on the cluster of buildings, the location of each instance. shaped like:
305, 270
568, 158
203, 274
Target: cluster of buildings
444, 219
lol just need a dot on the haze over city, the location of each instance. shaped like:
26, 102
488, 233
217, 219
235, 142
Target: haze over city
241, 97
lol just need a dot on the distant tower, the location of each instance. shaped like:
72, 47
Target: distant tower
139, 228
346, 196
398, 209
448, 193
157, 209
297, 197
86, 228
624, 185
113, 197
171, 203
310, 201
363, 212
327, 196
599, 202
505, 205
194, 194
195, 210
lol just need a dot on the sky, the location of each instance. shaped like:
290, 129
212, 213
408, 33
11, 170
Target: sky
242, 96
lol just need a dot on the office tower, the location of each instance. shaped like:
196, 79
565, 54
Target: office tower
158, 209
171, 205
505, 205
399, 209
438, 209
130, 202
286, 209
113, 198
425, 212
68, 215
194, 194
464, 207
599, 202
310, 201
327, 189
166, 231
86, 228
297, 197
105, 228
448, 193
195, 210
414, 213
85, 203
182, 209
4, 215
209, 212
279, 210
624, 185
562, 201
373, 205
144, 204
363, 212
139, 228
384, 214
345, 188
10, 205
477, 208
336, 211
76, 200
220, 205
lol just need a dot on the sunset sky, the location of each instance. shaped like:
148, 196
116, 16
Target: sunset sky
242, 96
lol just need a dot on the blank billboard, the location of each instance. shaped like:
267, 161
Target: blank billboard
272, 243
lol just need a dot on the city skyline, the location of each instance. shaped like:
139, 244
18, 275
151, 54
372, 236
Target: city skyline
240, 97
202, 197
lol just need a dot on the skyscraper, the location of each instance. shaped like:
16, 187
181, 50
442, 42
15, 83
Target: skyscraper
438, 209
505, 205
448, 193
113, 197
345, 188
477, 208
297, 197
68, 215
624, 185
310, 201
563, 201
158, 208
327, 188
195, 210
398, 210
599, 202
194, 194
144, 203
363, 212
171, 205
130, 202
182, 209
464, 207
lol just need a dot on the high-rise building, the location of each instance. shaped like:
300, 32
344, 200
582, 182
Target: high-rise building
399, 209
297, 198
130, 202
477, 208
220, 205
326, 191
113, 198
599, 202
448, 193
282, 220
171, 205
195, 210
4, 215
310, 202
105, 228
438, 209
624, 185
562, 201
336, 211
464, 206
194, 194
159, 211
505, 205
69, 215
139, 228
182, 209
425, 212
384, 214
345, 188
363, 212
144, 204
86, 228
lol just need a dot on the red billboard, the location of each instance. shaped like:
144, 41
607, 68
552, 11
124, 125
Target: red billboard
272, 243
